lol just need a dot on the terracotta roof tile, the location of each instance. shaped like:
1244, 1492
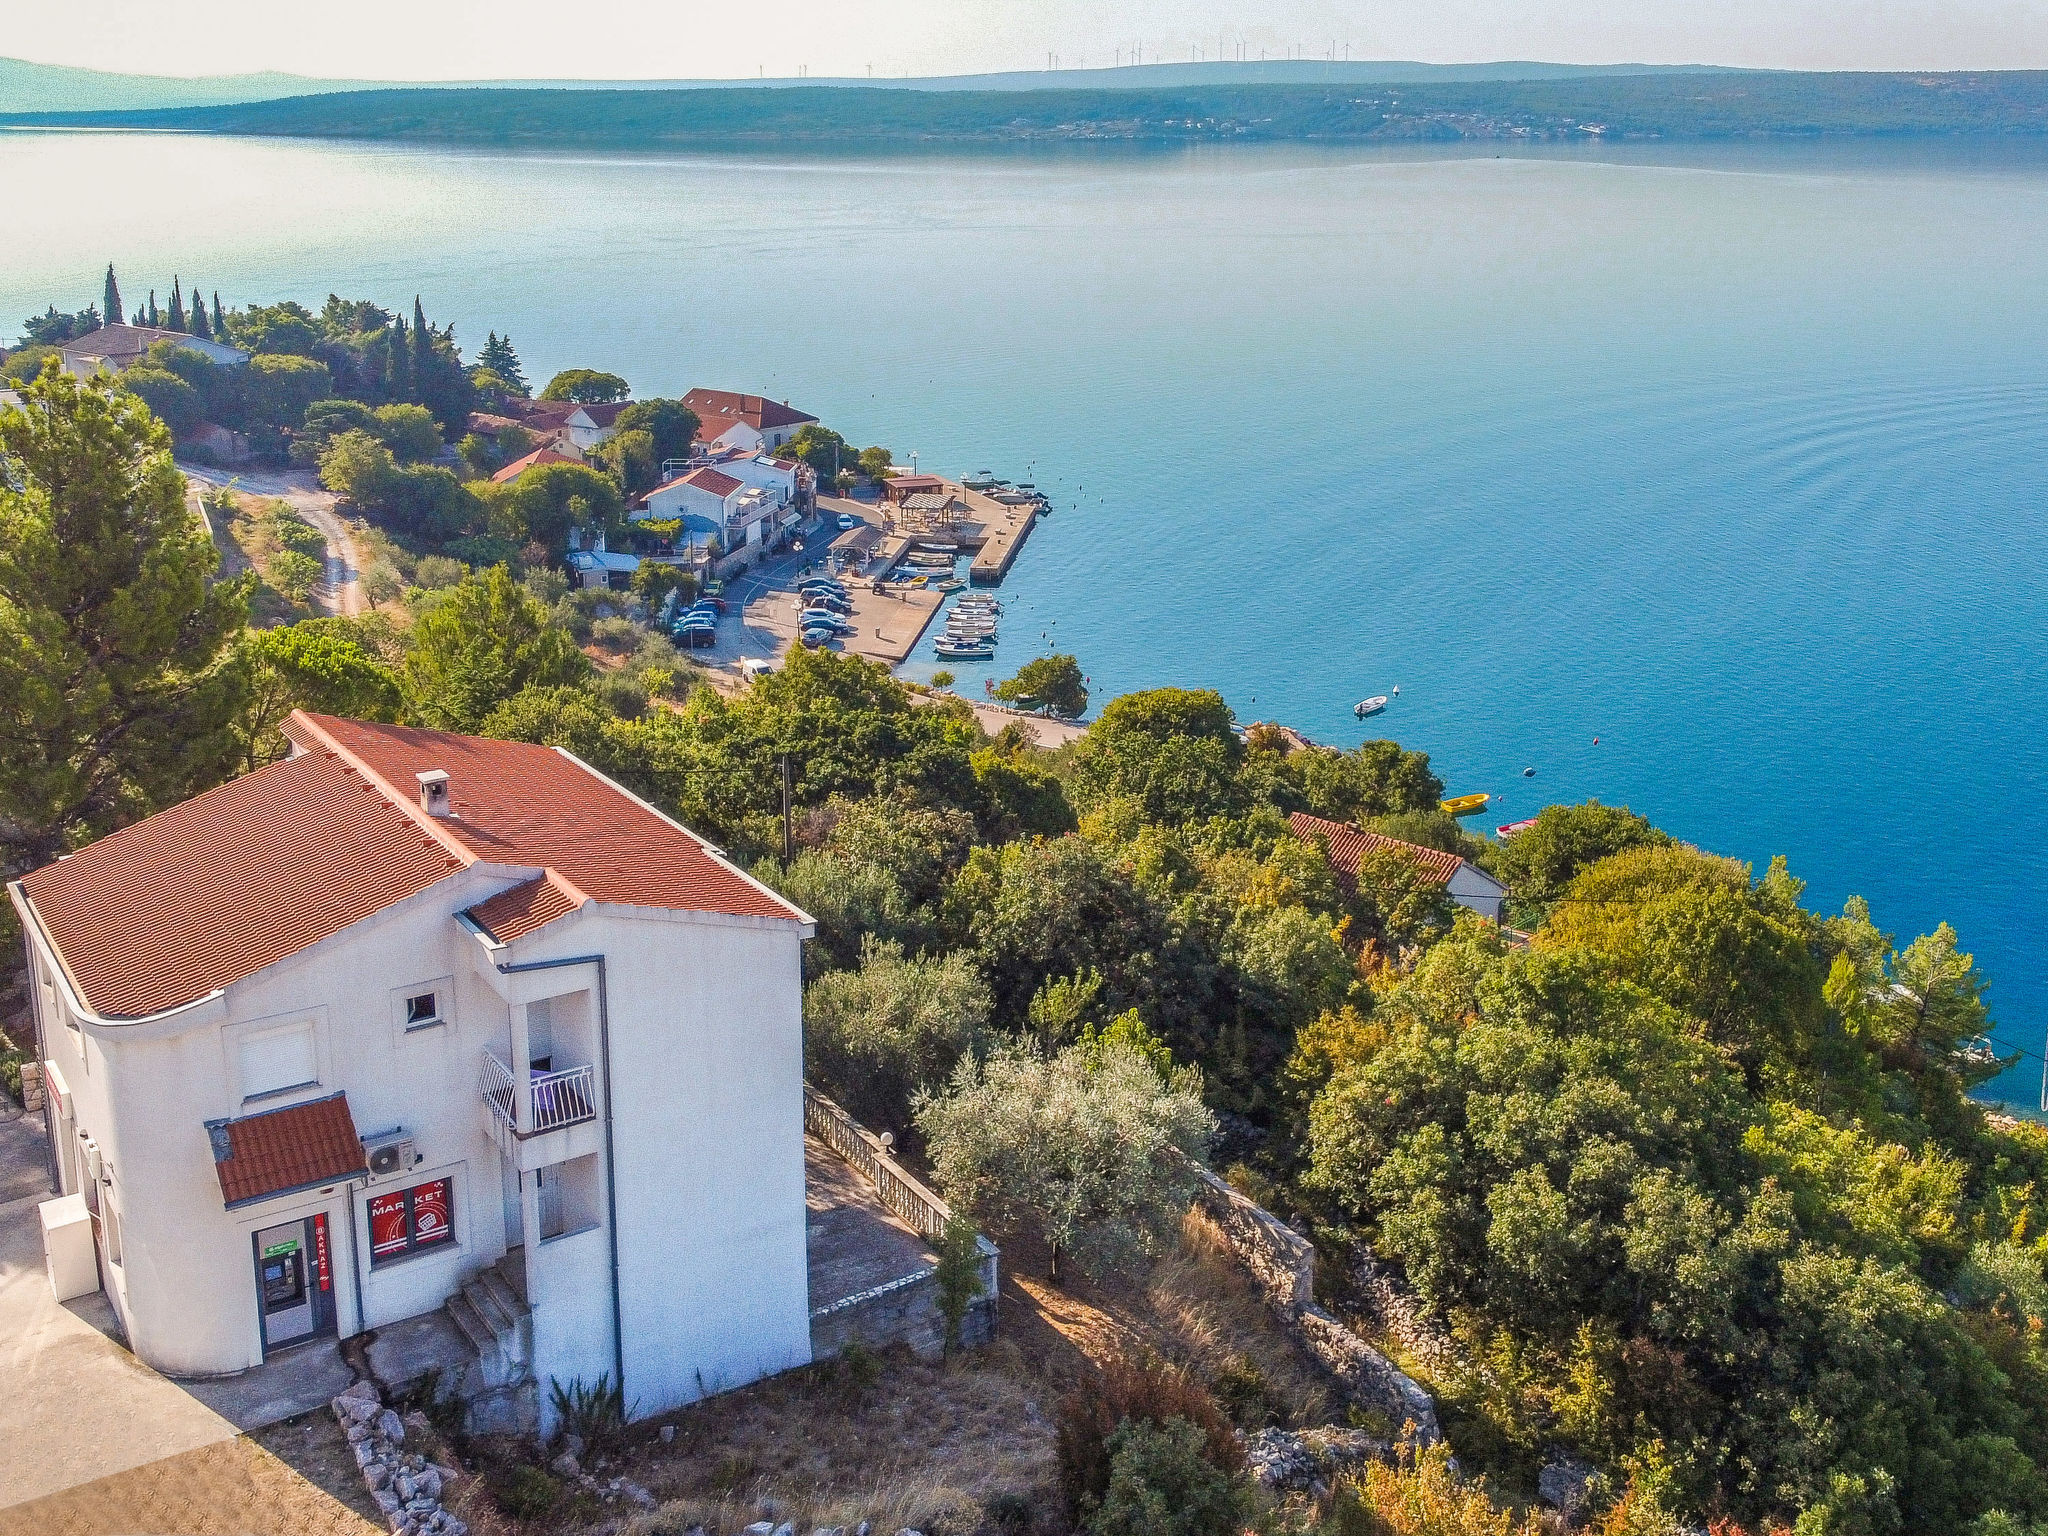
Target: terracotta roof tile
521, 804
755, 410
299, 1147
716, 481
521, 908
1346, 847
533, 460
212, 890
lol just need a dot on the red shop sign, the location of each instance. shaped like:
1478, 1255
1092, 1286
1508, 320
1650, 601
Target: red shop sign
430, 1223
320, 1252
387, 1223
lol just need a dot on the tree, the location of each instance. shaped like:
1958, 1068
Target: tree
154, 318
1172, 749
1162, 1483
1052, 682
821, 448
897, 1025
629, 459
422, 346
52, 328
295, 574
550, 499
499, 356
113, 697
359, 469
1540, 861
586, 386
315, 665
1100, 1154
174, 318
199, 325
671, 424
220, 319
169, 398
478, 646
280, 386
110, 302
409, 431
277, 328
1376, 778
874, 462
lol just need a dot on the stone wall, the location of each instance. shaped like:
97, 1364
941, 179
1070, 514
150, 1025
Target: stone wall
1282, 1265
906, 1311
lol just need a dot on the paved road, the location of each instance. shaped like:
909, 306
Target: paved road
342, 591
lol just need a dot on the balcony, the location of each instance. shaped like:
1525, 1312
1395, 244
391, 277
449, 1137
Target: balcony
554, 1119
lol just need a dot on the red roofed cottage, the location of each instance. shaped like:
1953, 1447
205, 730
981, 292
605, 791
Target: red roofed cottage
336, 1043
1346, 847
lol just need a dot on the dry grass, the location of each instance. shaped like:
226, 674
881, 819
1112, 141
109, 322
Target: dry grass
922, 1445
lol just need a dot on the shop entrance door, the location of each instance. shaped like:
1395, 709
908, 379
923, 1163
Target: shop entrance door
294, 1283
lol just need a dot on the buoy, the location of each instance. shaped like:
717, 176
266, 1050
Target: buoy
1528, 773
1596, 741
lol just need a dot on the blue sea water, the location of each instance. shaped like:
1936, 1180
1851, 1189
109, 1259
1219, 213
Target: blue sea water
1708, 481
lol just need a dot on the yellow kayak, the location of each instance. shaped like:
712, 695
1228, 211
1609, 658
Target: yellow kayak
1465, 805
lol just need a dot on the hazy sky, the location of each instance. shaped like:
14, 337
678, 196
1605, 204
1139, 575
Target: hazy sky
455, 39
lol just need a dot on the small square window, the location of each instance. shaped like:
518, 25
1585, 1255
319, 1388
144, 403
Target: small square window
421, 1009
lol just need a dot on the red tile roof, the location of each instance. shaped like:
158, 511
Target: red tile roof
604, 413
711, 428
541, 415
207, 892
521, 908
716, 481
756, 411
281, 1150
199, 896
533, 460
516, 803
1346, 847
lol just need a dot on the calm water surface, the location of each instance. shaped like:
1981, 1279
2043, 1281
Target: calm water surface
1731, 459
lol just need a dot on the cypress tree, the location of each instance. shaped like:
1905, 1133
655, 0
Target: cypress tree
110, 304
152, 307
175, 320
422, 349
220, 321
141, 316
199, 323
399, 380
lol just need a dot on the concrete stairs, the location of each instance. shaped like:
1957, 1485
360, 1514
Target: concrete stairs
491, 1312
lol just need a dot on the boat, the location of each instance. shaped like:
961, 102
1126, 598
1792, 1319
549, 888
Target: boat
1513, 828
1465, 805
1528, 773
950, 584
936, 547
964, 650
1371, 706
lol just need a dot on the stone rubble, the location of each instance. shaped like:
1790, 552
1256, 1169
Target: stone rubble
1566, 1485
1305, 1460
406, 1485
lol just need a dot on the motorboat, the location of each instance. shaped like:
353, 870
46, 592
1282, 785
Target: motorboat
950, 584
1371, 706
1465, 805
1514, 828
964, 650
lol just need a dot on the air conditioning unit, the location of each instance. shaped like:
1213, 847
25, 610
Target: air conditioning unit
390, 1155
94, 1167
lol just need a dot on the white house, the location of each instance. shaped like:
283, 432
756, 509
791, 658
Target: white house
771, 422
589, 425
1347, 846
412, 1018
115, 348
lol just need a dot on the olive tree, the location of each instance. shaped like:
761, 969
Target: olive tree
1092, 1145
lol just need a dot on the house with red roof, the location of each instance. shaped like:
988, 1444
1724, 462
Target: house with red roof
418, 1027
1347, 847
746, 501
533, 460
771, 422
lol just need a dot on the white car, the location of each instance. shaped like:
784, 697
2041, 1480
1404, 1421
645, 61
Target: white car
848, 522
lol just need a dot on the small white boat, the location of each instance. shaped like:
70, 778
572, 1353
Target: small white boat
1371, 706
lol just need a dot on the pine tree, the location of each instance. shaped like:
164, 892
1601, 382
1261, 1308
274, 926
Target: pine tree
113, 633
200, 327
422, 349
501, 359
111, 305
220, 320
175, 319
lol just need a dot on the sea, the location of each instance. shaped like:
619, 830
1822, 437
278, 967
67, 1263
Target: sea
1704, 480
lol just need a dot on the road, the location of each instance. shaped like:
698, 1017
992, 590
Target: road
342, 590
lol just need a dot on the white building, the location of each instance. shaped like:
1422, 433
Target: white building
745, 501
589, 425
1347, 847
771, 423
406, 1014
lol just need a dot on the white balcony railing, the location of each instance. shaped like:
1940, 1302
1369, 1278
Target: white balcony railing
557, 1098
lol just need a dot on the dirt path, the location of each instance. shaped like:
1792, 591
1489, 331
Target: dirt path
342, 590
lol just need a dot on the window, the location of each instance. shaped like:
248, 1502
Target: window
407, 1221
278, 1061
422, 1009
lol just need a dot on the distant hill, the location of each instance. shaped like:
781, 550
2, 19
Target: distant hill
29, 87
1580, 108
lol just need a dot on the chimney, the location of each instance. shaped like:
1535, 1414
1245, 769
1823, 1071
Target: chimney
434, 792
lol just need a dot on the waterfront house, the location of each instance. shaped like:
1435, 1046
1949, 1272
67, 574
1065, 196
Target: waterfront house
412, 1020
533, 460
717, 434
900, 488
775, 422
117, 348
1347, 846
745, 501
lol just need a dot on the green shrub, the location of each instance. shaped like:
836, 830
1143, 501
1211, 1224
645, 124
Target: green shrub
958, 1277
1242, 1390
1127, 1389
595, 1414
1161, 1483
526, 1493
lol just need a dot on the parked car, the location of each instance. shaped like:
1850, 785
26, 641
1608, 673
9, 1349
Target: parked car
848, 522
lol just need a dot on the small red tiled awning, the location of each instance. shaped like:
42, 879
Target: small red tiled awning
285, 1150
